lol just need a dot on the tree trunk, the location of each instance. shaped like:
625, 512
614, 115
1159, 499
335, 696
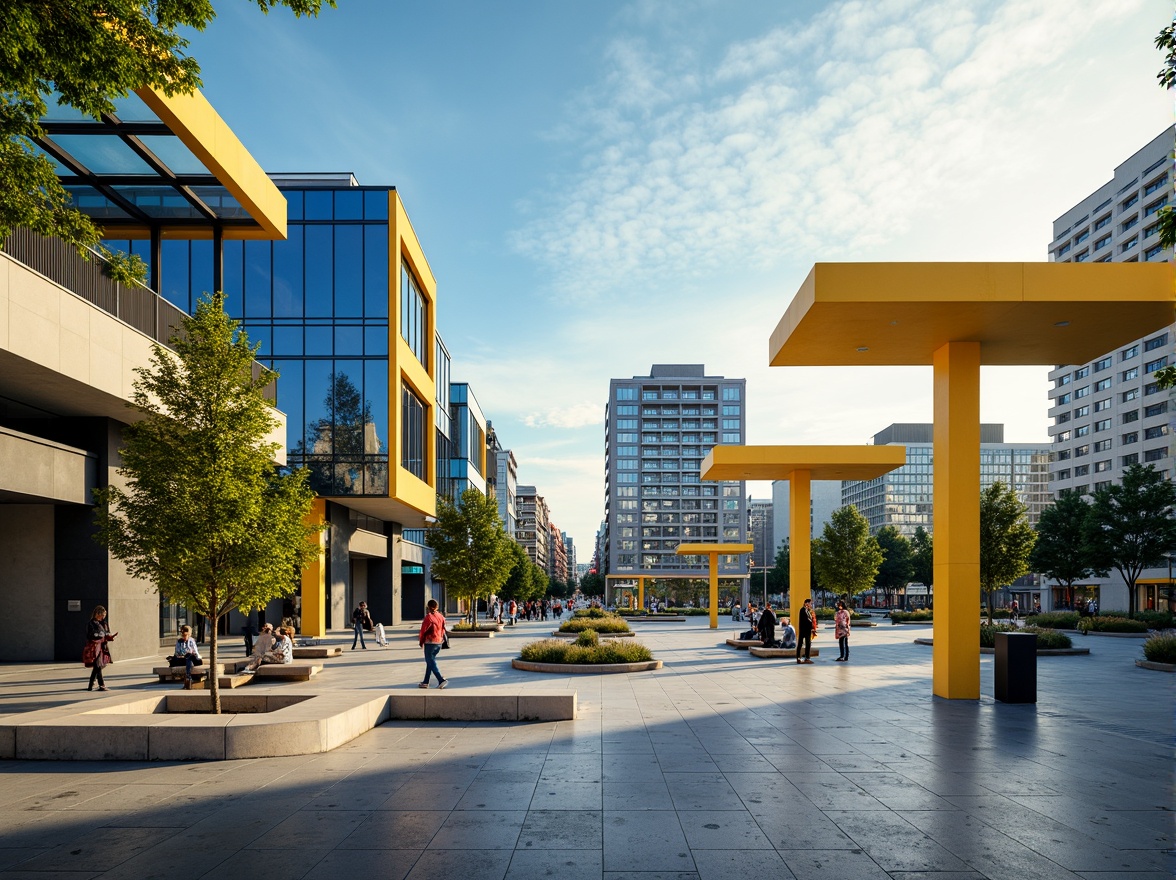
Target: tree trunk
988, 597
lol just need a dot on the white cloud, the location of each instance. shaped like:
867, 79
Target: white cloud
578, 415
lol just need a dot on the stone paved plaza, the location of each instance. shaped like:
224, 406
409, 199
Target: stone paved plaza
717, 766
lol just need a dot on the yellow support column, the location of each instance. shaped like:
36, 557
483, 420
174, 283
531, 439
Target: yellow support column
314, 578
956, 585
713, 558
799, 539
641, 592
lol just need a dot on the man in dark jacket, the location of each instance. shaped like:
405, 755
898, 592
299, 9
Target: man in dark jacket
808, 626
767, 626
360, 619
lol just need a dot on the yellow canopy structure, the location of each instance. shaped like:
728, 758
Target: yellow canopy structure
713, 552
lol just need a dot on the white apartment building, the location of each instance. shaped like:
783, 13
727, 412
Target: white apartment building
1109, 413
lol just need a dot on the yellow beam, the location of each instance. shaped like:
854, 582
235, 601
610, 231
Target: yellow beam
821, 462
314, 577
956, 484
713, 552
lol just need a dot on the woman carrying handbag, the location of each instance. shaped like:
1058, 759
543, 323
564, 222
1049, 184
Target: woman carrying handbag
96, 653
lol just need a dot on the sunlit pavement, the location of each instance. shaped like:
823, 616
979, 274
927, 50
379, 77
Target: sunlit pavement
717, 766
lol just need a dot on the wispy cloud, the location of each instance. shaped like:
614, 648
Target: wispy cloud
823, 139
577, 415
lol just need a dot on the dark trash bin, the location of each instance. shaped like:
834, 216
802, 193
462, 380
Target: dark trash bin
1016, 667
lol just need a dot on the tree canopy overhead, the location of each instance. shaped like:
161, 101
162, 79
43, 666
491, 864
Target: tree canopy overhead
1006, 539
86, 54
205, 516
1060, 552
471, 552
846, 558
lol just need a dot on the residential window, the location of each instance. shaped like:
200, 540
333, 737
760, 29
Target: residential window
1102, 484
1130, 437
1158, 364
1084, 489
627, 424
1129, 244
1129, 416
1063, 418
1130, 203
1101, 467
626, 392
414, 316
1102, 425
731, 393
1062, 455
1082, 236
1103, 445
1155, 206
1151, 388
1129, 353
1084, 391
412, 432
1130, 394
1080, 451
1061, 475
1152, 251
1082, 470
731, 424
1102, 242
649, 395
1064, 249
1082, 256
1158, 183
1103, 364
1149, 231
1156, 409
1082, 412
1155, 454
1064, 379
1082, 431
731, 409
1082, 372
1102, 221
732, 437
1101, 405
1063, 399
1133, 373
1128, 223
627, 464
1062, 437
628, 409
1155, 432
1102, 384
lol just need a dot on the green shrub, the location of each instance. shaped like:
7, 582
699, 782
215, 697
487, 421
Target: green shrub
603, 624
688, 612
1161, 648
590, 612
1049, 638
922, 616
1156, 619
1118, 625
559, 651
464, 626
1056, 619
1085, 625
988, 633
588, 639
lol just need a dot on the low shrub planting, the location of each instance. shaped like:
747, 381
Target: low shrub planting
603, 624
1161, 648
1049, 638
590, 612
1118, 625
988, 633
825, 614
1156, 619
908, 616
588, 638
1056, 619
557, 651
465, 626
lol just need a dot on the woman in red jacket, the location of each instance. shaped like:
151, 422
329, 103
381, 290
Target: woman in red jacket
431, 638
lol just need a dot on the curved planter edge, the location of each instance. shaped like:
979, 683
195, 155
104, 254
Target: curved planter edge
624, 635
1158, 667
585, 668
473, 634
1041, 652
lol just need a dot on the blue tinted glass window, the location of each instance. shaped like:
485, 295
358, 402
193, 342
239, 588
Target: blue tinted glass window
375, 205
375, 340
350, 410
293, 204
375, 389
260, 333
288, 275
319, 340
290, 392
319, 271
174, 276
318, 387
287, 340
349, 340
233, 262
201, 252
375, 271
348, 271
318, 204
257, 279
349, 204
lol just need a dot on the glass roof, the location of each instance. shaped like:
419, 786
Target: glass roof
103, 154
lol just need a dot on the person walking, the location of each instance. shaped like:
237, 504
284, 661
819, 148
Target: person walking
841, 630
432, 637
360, 619
767, 626
96, 654
808, 627
186, 654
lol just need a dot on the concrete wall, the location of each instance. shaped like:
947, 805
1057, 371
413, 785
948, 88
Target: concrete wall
26, 585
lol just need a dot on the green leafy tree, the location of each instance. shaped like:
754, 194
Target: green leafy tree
898, 567
204, 515
517, 585
556, 588
88, 53
1166, 43
923, 557
592, 584
539, 582
1060, 552
846, 558
1006, 540
471, 552
1131, 525
779, 576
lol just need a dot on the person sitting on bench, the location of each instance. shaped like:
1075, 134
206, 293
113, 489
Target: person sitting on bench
767, 626
280, 649
187, 654
788, 635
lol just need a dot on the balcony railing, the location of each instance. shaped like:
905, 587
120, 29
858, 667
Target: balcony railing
134, 304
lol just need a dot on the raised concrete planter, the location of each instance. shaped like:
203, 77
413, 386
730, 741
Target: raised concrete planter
659, 618
627, 635
474, 633
488, 706
744, 644
780, 653
585, 668
1142, 635
1041, 652
176, 673
287, 671
1158, 667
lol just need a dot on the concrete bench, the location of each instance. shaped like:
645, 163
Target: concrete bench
317, 652
176, 673
287, 671
782, 653
744, 644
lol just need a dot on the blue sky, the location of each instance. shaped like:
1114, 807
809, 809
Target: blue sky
603, 186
